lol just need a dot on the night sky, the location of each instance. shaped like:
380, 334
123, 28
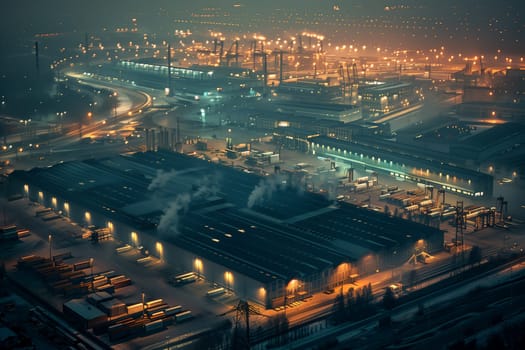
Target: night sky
500, 24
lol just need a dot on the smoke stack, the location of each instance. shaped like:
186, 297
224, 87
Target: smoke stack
37, 59
169, 70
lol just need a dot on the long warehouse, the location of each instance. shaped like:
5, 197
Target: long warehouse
264, 238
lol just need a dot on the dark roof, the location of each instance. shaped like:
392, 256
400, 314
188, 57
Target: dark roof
403, 154
363, 230
494, 136
320, 236
259, 249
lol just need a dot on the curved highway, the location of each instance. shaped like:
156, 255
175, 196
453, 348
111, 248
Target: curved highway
133, 104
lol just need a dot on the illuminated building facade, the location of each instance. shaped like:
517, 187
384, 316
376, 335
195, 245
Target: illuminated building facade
380, 99
426, 171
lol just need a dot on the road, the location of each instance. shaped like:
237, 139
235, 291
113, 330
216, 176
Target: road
347, 333
133, 104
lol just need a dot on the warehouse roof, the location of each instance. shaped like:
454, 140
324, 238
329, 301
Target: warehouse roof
261, 250
305, 236
358, 231
84, 309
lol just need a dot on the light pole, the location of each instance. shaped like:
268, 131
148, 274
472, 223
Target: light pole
91, 261
25, 122
49, 239
143, 296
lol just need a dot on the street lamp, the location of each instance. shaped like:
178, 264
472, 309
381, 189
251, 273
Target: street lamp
91, 261
25, 122
143, 296
49, 239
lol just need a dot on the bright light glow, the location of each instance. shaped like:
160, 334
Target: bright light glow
292, 285
40, 195
134, 238
160, 250
87, 217
262, 294
54, 201
26, 189
197, 263
228, 277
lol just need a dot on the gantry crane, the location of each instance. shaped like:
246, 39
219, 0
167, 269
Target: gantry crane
261, 53
342, 75
233, 53
279, 54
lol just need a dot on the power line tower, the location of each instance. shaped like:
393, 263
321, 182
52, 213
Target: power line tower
501, 208
460, 225
241, 337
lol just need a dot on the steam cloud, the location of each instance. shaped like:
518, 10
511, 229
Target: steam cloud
176, 208
267, 187
162, 179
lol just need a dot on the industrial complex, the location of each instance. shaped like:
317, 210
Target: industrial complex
293, 176
264, 238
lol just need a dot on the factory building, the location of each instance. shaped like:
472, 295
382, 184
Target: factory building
309, 89
491, 143
405, 166
322, 111
383, 98
192, 73
263, 238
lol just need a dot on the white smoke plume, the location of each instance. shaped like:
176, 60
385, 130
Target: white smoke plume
175, 209
169, 221
162, 179
266, 188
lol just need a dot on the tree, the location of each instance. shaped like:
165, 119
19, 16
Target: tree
279, 324
389, 299
350, 298
216, 339
370, 293
339, 310
412, 277
475, 255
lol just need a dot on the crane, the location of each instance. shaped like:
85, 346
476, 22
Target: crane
354, 83
280, 53
230, 53
342, 75
261, 53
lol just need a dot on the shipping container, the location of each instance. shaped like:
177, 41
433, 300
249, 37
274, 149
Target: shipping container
173, 310
216, 292
82, 265
185, 315
135, 308
154, 303
153, 326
